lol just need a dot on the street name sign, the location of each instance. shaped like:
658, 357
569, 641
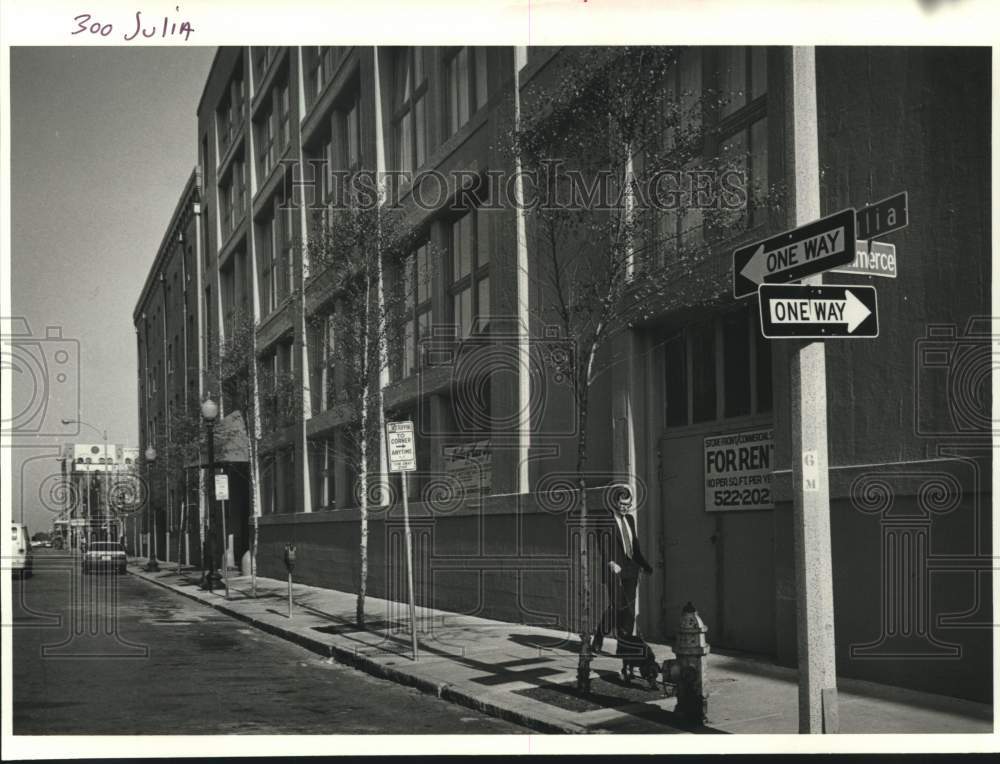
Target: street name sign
793, 255
876, 258
880, 218
817, 312
222, 487
402, 454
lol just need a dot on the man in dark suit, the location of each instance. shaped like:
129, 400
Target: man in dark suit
622, 568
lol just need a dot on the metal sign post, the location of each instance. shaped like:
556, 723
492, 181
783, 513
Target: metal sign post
222, 494
403, 459
225, 549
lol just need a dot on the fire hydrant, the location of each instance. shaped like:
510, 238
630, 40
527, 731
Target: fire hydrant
687, 671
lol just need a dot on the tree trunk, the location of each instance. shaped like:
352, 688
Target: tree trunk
254, 514
363, 443
583, 665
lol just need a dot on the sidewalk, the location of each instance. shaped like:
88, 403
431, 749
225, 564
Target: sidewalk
527, 674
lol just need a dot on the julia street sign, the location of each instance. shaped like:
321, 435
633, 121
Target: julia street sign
792, 255
880, 218
817, 312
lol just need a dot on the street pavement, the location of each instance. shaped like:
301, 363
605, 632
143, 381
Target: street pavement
114, 655
527, 674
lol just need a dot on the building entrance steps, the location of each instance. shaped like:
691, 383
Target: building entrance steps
527, 674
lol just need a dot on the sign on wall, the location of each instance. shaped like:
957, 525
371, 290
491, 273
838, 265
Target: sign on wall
471, 465
738, 471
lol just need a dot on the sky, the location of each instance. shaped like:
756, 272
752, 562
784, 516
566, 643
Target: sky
102, 143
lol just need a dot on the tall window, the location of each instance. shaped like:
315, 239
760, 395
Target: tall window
319, 66
415, 283
321, 474
273, 129
232, 196
741, 75
717, 369
322, 362
230, 112
349, 128
274, 372
466, 80
469, 287
262, 57
681, 227
227, 282
409, 113
277, 481
274, 243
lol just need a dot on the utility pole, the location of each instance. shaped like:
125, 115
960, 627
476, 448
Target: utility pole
810, 479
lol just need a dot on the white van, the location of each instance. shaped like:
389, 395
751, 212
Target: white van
20, 550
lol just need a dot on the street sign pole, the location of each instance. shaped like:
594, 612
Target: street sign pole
813, 569
409, 566
403, 459
225, 549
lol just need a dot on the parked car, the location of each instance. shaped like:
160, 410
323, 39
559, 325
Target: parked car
104, 556
20, 554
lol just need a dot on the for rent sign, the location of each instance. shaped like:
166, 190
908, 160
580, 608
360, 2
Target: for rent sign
738, 471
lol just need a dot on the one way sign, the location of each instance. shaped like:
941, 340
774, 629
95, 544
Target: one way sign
817, 312
790, 256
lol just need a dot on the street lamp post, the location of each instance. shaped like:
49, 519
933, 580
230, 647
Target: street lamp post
152, 566
209, 413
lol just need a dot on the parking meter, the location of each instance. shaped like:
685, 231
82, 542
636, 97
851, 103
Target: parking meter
289, 566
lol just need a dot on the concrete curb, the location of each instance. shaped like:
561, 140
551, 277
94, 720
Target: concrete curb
444, 690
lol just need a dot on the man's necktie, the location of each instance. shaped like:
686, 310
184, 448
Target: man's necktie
627, 538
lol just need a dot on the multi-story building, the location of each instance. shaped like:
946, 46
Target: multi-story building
909, 455
99, 492
169, 319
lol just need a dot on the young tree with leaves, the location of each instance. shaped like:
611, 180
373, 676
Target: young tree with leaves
603, 136
350, 248
265, 400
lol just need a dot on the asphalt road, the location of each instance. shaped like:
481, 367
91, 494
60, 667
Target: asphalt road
108, 654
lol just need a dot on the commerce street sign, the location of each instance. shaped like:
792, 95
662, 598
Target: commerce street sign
817, 312
876, 258
793, 255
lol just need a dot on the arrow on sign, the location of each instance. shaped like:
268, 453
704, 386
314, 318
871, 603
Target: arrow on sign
794, 310
818, 311
813, 248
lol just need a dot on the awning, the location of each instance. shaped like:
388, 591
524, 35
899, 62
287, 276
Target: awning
231, 445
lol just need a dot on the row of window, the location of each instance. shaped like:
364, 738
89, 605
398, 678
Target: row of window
463, 271
717, 369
